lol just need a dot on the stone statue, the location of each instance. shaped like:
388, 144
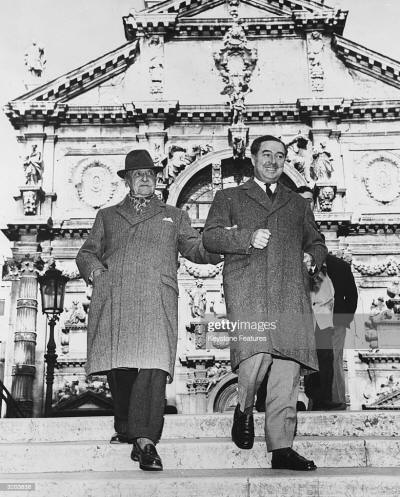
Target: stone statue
198, 300
35, 60
299, 155
33, 167
177, 161
321, 164
76, 314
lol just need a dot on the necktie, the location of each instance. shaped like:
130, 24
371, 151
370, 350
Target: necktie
268, 190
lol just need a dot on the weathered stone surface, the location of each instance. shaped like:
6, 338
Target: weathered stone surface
353, 482
346, 423
176, 454
382, 452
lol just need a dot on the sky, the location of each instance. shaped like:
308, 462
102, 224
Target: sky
77, 31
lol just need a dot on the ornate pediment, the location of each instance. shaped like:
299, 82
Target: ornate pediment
279, 7
80, 80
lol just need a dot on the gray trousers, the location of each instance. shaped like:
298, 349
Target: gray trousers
338, 383
281, 400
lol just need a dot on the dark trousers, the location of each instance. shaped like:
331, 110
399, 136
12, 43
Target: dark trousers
318, 386
139, 402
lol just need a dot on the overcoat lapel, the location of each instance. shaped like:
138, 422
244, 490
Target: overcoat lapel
282, 196
126, 210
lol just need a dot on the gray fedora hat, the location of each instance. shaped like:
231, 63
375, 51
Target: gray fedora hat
138, 159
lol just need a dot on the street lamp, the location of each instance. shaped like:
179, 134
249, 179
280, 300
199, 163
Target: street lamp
52, 290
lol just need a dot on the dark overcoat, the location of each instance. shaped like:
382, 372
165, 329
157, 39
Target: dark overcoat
268, 287
133, 314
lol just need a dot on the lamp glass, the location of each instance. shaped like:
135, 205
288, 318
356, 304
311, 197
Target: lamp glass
52, 289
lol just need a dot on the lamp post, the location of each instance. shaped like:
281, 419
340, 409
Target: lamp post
52, 290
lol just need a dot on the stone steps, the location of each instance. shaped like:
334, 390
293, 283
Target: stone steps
357, 454
205, 453
326, 482
343, 423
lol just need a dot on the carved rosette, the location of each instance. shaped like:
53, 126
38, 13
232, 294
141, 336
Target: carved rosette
382, 178
95, 183
315, 52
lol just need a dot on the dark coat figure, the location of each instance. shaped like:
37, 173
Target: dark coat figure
133, 314
326, 389
131, 256
267, 285
346, 295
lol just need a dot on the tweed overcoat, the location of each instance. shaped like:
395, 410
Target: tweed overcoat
133, 314
271, 285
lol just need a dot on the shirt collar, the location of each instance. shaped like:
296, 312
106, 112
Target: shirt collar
272, 186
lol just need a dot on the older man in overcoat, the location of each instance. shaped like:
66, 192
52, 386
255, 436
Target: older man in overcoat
131, 256
271, 243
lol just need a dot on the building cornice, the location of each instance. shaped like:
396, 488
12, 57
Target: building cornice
22, 113
367, 61
172, 26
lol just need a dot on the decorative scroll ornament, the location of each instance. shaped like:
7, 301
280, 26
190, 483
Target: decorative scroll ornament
235, 63
95, 183
382, 179
315, 45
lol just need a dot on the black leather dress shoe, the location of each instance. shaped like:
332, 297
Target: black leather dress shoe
290, 459
148, 458
243, 429
119, 438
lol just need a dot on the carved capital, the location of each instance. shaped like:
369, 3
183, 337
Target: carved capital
25, 265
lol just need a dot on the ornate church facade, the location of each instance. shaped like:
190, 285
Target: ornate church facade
195, 83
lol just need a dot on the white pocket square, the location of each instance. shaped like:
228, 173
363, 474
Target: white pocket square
168, 219
231, 227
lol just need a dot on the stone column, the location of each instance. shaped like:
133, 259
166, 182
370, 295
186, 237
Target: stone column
24, 369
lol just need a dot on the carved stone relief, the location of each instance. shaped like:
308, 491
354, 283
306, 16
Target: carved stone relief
315, 49
322, 162
236, 63
299, 155
156, 65
382, 178
95, 183
179, 158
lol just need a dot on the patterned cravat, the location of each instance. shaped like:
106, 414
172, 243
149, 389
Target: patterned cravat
140, 203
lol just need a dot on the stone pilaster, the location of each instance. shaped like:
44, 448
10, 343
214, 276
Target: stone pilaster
23, 371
